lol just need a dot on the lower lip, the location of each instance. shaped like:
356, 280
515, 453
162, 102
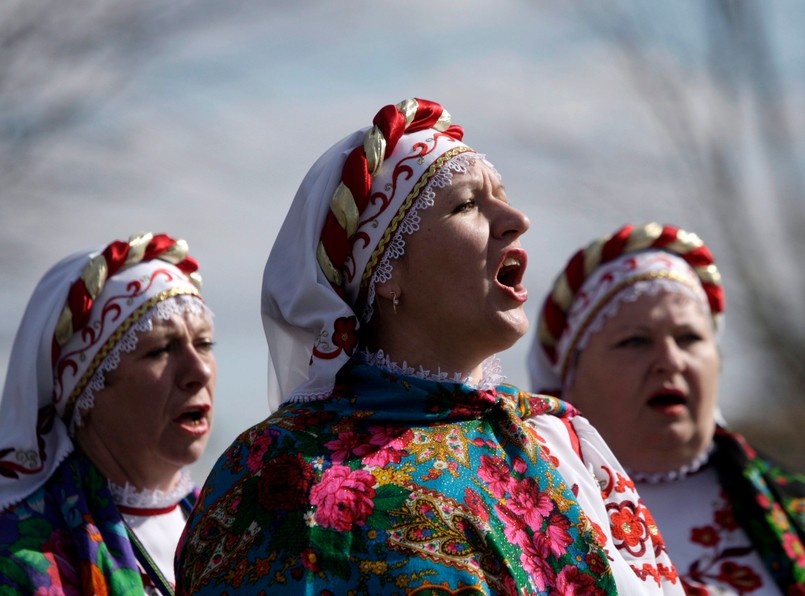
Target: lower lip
669, 409
520, 295
197, 430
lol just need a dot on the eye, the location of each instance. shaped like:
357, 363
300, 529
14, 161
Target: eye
467, 205
633, 341
158, 351
687, 339
204, 345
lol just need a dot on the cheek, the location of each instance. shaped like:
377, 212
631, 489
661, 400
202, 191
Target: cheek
708, 372
457, 244
212, 365
213, 378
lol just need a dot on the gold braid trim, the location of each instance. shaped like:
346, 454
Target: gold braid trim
374, 146
333, 275
64, 326
345, 210
408, 108
642, 237
137, 245
95, 274
176, 253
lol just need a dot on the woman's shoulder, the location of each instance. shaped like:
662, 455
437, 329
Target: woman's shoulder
530, 405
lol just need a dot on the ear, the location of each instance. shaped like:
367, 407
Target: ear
388, 289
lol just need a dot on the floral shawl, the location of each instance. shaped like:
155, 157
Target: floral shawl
67, 537
769, 503
394, 485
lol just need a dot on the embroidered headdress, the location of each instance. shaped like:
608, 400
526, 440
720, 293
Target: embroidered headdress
347, 224
612, 269
82, 314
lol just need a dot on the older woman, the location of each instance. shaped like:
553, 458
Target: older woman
628, 335
108, 397
396, 461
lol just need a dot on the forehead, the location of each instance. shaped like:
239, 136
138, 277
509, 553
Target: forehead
674, 306
478, 176
194, 321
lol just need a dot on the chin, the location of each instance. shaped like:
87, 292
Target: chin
514, 324
505, 336
193, 452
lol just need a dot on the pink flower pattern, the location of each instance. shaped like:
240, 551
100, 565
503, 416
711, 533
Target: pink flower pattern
343, 497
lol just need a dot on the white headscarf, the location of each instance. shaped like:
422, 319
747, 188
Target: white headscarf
38, 403
311, 328
611, 284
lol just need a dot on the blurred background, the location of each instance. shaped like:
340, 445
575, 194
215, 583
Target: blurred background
200, 118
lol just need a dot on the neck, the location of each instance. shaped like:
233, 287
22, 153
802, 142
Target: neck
667, 451
122, 469
677, 473
410, 349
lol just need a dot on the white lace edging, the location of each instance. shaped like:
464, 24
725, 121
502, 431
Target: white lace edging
492, 373
163, 310
128, 496
682, 472
459, 164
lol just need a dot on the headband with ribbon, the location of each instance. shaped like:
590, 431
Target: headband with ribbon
78, 313
632, 259
345, 227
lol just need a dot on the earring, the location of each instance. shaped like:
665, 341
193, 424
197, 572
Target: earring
394, 302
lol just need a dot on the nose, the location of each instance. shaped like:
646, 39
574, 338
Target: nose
670, 357
509, 222
197, 369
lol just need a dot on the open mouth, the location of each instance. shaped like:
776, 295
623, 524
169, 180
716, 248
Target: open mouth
667, 399
193, 417
510, 273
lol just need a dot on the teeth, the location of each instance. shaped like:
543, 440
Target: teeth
511, 262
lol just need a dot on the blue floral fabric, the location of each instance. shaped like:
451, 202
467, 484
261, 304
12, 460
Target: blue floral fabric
393, 485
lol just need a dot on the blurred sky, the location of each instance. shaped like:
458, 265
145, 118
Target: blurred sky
208, 132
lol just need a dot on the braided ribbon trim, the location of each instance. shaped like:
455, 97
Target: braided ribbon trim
115, 257
628, 239
352, 195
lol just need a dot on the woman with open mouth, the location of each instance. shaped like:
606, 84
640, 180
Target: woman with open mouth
108, 397
628, 335
396, 460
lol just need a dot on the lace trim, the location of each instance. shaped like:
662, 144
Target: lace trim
128, 495
164, 310
492, 373
459, 164
673, 475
